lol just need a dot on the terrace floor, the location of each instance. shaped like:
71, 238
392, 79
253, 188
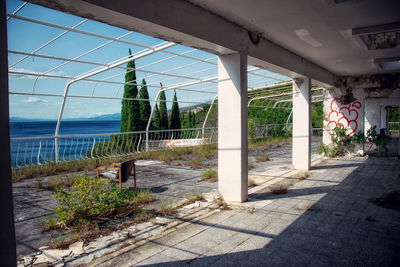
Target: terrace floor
327, 219
33, 205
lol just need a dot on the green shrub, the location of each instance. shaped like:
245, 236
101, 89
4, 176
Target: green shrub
251, 125
210, 175
91, 199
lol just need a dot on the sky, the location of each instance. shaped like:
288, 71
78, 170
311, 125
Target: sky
31, 37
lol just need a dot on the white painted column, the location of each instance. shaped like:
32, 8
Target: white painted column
232, 127
301, 149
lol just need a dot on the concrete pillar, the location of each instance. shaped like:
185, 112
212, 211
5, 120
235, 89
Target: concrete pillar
301, 149
7, 235
232, 127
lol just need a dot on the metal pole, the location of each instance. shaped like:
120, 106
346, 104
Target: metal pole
208, 113
151, 115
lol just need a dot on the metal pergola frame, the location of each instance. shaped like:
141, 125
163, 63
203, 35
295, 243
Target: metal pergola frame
256, 75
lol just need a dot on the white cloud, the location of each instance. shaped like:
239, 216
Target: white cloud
22, 71
34, 100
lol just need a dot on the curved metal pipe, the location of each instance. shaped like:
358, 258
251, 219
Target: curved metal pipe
67, 86
208, 113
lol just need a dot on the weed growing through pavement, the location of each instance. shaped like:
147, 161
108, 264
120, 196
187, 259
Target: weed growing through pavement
250, 166
168, 208
251, 182
301, 175
220, 202
251, 210
195, 164
262, 158
210, 175
192, 198
279, 189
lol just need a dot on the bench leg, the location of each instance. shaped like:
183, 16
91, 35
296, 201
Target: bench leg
134, 175
119, 179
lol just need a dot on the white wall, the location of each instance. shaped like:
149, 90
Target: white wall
367, 110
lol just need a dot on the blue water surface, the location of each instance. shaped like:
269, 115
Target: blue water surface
47, 128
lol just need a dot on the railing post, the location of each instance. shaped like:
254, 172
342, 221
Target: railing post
38, 155
91, 151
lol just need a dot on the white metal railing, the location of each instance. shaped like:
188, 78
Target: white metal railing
38, 150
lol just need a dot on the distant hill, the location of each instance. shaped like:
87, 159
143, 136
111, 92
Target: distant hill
115, 116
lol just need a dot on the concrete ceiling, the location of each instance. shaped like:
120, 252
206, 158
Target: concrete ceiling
313, 38
318, 30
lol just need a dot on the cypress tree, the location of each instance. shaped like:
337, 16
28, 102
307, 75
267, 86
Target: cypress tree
193, 120
175, 121
185, 120
163, 111
130, 112
144, 105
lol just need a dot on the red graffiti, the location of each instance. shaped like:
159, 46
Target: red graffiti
344, 115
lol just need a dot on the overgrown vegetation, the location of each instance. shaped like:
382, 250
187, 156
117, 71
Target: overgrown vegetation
221, 204
263, 143
380, 140
342, 143
251, 182
250, 166
89, 203
52, 168
58, 182
262, 158
91, 200
210, 175
191, 156
181, 153
191, 198
279, 189
167, 208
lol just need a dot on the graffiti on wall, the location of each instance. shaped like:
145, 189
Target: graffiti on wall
343, 115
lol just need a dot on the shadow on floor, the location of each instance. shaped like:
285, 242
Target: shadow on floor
342, 228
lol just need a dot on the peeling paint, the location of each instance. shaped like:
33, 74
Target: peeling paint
372, 82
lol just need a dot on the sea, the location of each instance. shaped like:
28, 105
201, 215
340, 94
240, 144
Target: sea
27, 146
73, 127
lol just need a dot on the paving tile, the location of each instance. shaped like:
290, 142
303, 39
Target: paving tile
318, 224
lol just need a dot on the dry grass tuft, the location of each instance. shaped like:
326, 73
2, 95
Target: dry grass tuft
262, 158
192, 198
220, 202
251, 183
250, 166
301, 175
167, 208
57, 182
279, 189
195, 164
210, 175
